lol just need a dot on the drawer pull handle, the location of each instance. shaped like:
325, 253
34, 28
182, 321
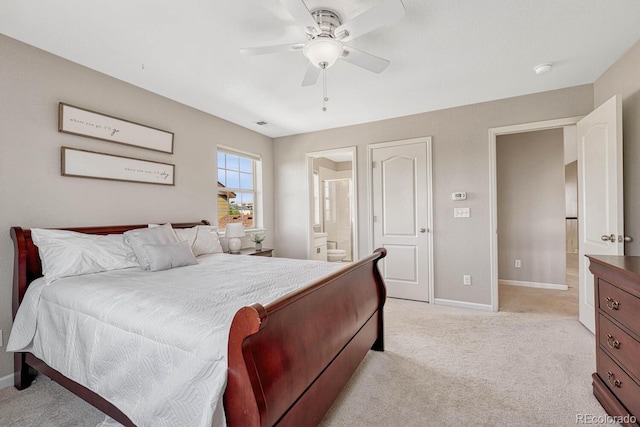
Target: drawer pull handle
611, 304
614, 343
615, 382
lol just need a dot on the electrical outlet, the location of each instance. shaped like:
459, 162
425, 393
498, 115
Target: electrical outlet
466, 280
518, 263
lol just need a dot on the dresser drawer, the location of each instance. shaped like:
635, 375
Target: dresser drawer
620, 345
620, 305
624, 388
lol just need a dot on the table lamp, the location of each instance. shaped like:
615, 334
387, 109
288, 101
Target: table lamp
233, 231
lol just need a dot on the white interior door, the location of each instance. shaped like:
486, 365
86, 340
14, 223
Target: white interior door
601, 225
401, 192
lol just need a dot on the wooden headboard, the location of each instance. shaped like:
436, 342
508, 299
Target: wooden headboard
27, 265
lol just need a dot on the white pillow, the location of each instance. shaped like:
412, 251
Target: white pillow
203, 239
164, 257
185, 235
68, 253
207, 241
160, 235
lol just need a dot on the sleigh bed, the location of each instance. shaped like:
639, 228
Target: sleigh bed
287, 360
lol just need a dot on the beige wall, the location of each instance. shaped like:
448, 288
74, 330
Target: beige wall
32, 192
460, 163
623, 78
531, 206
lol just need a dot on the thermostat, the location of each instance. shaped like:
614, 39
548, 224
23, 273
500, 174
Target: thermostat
459, 195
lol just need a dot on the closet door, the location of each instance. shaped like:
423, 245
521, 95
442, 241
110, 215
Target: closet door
401, 189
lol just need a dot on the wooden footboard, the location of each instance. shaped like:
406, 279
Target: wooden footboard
288, 360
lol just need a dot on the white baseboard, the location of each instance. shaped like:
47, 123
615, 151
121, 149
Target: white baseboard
533, 284
6, 381
462, 304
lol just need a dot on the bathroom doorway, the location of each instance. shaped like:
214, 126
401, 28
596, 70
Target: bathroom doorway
332, 225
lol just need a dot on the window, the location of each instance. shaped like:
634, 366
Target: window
237, 188
329, 197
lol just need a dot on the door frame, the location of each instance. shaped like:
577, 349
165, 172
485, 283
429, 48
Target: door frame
429, 219
493, 188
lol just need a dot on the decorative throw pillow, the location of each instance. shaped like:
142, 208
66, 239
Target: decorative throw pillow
136, 239
207, 241
68, 253
167, 256
203, 239
186, 235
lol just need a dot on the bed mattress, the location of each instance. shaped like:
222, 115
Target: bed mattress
154, 344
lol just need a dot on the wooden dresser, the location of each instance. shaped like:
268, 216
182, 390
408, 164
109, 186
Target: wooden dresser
616, 382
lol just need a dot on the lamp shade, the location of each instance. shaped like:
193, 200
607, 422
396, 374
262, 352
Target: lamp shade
323, 52
234, 229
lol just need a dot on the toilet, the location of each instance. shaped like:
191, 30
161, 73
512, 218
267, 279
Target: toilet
333, 254
336, 255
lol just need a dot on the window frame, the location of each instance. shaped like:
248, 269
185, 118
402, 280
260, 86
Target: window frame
256, 191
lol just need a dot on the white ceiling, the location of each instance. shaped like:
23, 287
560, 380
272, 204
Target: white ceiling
443, 53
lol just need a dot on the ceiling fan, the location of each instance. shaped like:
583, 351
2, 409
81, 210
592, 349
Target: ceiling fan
326, 34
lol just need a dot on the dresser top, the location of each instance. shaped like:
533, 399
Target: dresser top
627, 263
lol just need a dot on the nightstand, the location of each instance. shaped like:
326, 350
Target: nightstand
251, 251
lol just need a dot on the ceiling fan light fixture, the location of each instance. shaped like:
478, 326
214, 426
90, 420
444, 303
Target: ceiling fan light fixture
323, 52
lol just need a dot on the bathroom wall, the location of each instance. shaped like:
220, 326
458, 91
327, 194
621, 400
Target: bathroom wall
338, 223
338, 218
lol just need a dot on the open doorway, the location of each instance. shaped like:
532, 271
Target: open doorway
537, 193
332, 224
532, 229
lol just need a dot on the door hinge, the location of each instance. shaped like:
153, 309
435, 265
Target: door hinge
373, 165
375, 218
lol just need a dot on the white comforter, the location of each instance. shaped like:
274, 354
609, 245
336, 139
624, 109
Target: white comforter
153, 344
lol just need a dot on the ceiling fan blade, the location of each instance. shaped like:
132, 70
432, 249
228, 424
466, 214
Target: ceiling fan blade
311, 75
264, 50
301, 14
384, 13
365, 60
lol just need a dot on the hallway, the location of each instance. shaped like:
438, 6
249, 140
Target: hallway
518, 299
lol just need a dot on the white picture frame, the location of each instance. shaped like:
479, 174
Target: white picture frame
79, 121
91, 164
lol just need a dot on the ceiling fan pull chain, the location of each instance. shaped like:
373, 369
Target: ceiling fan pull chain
324, 88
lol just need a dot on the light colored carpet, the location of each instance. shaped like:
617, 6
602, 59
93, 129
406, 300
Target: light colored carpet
442, 366
45, 404
531, 300
449, 367
528, 365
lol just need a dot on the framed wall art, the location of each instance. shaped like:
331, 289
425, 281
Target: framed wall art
91, 164
79, 121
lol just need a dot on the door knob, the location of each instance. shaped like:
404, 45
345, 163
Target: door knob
626, 239
611, 237
423, 230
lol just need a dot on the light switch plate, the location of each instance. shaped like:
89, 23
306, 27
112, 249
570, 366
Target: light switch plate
461, 212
